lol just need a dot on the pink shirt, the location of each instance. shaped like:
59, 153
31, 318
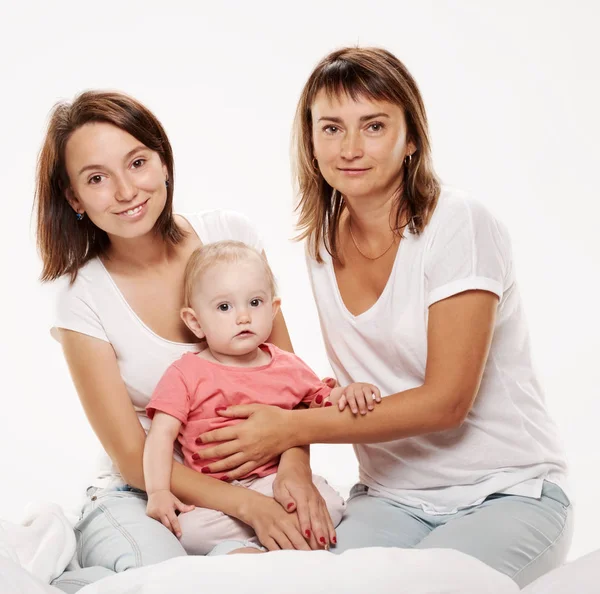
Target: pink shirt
193, 387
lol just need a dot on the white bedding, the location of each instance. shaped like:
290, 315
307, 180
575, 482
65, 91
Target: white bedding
33, 553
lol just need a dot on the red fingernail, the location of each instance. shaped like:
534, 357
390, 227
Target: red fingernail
334, 540
225, 478
220, 408
290, 505
322, 540
205, 470
195, 456
198, 441
307, 533
319, 399
328, 403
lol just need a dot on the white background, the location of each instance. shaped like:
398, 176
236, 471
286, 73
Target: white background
512, 92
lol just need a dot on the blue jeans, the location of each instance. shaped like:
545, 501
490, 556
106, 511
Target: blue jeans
519, 536
115, 534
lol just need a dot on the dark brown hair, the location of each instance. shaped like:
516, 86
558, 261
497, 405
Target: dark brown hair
66, 244
376, 74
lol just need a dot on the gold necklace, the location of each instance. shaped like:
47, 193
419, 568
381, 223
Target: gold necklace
360, 251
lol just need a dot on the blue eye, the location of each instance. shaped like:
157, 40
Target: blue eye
224, 307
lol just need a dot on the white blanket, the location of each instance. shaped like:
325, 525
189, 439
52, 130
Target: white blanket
33, 553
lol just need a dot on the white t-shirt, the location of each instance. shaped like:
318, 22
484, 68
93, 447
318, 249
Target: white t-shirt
508, 443
95, 306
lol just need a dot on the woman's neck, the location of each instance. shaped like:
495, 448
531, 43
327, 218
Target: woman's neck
139, 253
371, 216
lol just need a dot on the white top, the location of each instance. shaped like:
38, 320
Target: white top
508, 443
95, 306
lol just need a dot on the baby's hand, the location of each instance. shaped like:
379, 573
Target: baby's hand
162, 506
358, 396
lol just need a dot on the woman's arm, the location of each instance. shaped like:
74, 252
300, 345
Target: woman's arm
294, 489
459, 335
93, 367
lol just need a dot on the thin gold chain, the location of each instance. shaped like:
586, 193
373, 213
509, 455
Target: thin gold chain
361, 252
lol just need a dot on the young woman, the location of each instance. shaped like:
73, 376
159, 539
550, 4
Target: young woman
416, 293
107, 232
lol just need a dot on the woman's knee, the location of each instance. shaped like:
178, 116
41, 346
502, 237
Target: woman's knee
117, 534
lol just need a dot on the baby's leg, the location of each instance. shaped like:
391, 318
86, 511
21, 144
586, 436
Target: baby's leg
202, 529
334, 501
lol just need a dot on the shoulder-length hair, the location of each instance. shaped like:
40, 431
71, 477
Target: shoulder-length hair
64, 243
375, 74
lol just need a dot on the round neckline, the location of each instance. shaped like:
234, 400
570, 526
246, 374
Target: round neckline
133, 312
267, 346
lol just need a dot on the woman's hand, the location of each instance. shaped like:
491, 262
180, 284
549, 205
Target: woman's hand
295, 491
275, 528
249, 444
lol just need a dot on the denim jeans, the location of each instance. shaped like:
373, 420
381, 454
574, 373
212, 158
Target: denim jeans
115, 534
519, 536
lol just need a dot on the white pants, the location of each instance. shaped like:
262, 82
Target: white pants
202, 529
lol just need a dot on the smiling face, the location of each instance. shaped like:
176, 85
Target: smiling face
232, 306
115, 180
360, 145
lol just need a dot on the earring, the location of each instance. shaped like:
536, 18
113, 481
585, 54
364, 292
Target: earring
167, 183
408, 160
79, 216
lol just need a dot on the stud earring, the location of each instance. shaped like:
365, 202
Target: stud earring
79, 216
166, 183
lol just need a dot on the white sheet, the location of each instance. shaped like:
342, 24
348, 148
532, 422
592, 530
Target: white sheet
33, 553
359, 571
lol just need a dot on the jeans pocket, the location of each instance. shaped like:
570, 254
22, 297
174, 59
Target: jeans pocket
554, 492
358, 490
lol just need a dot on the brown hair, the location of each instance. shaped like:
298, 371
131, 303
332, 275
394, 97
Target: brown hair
375, 74
220, 251
66, 244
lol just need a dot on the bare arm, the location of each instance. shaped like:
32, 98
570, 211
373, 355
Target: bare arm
458, 340
158, 452
459, 336
280, 336
93, 366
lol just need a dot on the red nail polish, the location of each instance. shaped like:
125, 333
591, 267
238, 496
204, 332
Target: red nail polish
195, 456
225, 478
328, 403
205, 470
307, 533
334, 540
290, 505
322, 540
220, 408
198, 441
319, 399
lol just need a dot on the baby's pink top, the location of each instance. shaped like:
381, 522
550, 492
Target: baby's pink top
192, 388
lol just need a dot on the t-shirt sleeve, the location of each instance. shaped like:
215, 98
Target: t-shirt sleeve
242, 229
171, 395
312, 386
470, 250
220, 225
75, 310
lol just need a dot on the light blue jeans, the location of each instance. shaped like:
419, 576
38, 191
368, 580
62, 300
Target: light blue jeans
519, 536
115, 534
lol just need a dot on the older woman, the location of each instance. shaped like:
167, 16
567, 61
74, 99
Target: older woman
416, 293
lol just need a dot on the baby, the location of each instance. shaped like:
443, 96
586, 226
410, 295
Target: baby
229, 301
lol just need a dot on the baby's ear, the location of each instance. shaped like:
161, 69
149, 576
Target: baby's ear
188, 315
276, 304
